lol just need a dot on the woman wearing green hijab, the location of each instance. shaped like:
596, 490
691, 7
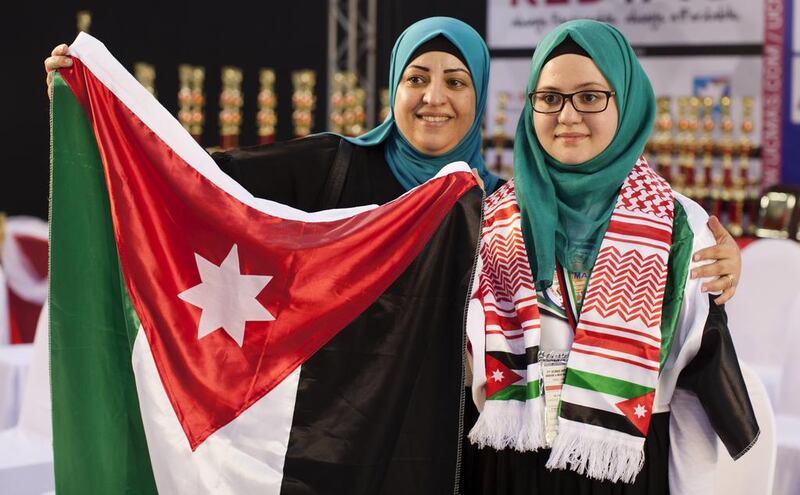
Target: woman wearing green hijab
586, 327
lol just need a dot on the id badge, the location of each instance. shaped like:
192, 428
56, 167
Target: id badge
554, 367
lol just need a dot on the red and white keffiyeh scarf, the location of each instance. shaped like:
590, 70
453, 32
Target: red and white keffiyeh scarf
614, 362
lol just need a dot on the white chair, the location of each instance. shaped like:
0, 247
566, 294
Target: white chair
787, 470
754, 472
15, 361
26, 450
766, 291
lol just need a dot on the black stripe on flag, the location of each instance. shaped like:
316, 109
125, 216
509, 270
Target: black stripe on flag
517, 361
378, 408
598, 417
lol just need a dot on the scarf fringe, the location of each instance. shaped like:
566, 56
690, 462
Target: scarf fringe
601, 457
510, 424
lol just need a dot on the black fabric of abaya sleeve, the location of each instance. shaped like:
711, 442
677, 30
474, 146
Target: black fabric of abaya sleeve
295, 172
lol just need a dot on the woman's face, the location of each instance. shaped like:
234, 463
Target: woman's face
434, 106
572, 137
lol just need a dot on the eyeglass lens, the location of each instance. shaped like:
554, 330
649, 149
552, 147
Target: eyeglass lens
583, 101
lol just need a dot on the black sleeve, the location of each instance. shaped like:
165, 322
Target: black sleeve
299, 173
715, 377
293, 173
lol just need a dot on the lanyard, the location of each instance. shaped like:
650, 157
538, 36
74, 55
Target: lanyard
568, 297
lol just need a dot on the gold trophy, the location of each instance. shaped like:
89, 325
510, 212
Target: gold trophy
198, 102
705, 178
84, 18
266, 118
359, 114
750, 193
191, 99
336, 117
499, 134
185, 96
687, 164
230, 103
384, 105
662, 142
726, 147
303, 101
146, 75
348, 102
682, 144
353, 114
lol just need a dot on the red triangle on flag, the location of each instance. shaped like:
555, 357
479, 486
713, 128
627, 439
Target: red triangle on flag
498, 376
638, 410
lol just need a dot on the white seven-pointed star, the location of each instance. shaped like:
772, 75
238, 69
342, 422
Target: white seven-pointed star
227, 297
497, 376
640, 411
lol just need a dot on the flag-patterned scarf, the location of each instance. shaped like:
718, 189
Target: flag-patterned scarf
613, 365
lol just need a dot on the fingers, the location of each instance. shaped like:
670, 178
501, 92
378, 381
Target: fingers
720, 268
709, 253
58, 59
725, 297
478, 178
717, 229
57, 62
60, 49
720, 284
726, 266
724, 251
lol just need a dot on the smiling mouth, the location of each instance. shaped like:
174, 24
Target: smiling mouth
434, 119
571, 138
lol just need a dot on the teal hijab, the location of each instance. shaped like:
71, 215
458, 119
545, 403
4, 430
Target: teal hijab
410, 166
566, 208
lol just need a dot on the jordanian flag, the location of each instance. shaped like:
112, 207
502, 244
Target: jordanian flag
207, 341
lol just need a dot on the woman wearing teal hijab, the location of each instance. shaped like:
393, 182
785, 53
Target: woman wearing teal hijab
580, 392
294, 172
410, 165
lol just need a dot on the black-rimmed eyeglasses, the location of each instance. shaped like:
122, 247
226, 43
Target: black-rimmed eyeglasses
593, 101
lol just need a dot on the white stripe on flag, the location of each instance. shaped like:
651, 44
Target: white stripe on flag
245, 456
593, 399
498, 342
613, 369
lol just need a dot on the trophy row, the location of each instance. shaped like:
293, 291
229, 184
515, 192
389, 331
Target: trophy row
347, 102
347, 115
706, 155
192, 100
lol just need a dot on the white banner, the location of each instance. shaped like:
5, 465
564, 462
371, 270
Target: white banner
522, 23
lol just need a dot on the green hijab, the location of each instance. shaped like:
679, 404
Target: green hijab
566, 208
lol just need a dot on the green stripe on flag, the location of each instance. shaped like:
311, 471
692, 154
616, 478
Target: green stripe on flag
98, 440
517, 392
680, 254
605, 384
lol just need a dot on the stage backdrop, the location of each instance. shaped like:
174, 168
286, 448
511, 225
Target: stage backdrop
699, 47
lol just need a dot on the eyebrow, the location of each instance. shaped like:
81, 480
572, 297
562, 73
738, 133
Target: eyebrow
446, 71
580, 86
